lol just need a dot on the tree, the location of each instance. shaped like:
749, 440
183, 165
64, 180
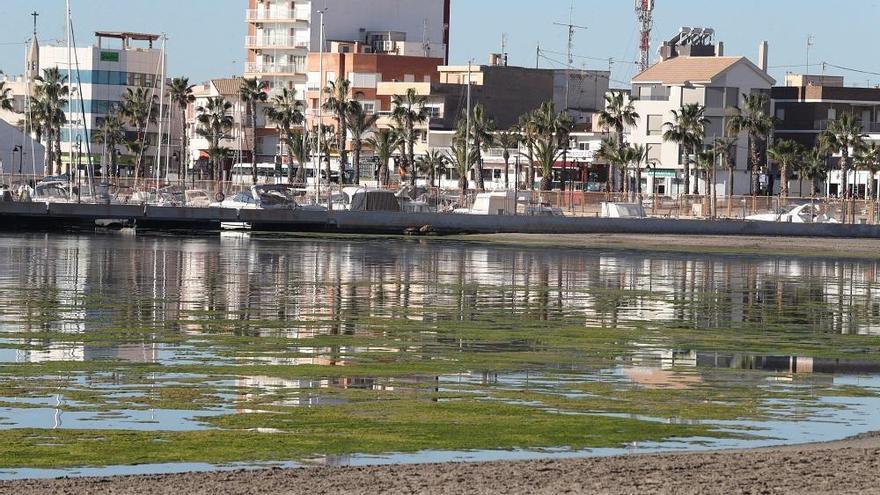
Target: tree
617, 115
726, 149
300, 146
786, 153
111, 133
843, 135
384, 143
612, 154
461, 159
139, 109
814, 168
358, 123
868, 159
430, 164
688, 129
252, 92
481, 134
638, 154
339, 102
754, 120
528, 126
51, 98
409, 110
5, 97
181, 95
215, 122
285, 111
508, 140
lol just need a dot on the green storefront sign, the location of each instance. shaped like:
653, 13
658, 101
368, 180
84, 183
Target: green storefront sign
661, 173
109, 56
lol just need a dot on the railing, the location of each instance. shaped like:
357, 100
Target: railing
275, 41
570, 202
278, 15
253, 67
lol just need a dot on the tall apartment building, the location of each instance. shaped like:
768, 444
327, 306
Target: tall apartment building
281, 34
105, 71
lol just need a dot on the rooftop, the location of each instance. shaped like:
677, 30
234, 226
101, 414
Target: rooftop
680, 71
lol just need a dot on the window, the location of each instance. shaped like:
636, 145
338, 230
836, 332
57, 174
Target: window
655, 125
780, 114
434, 111
584, 146
409, 78
368, 106
361, 80
653, 153
693, 95
731, 97
714, 97
715, 127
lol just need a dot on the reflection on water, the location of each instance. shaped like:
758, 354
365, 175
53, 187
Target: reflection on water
227, 301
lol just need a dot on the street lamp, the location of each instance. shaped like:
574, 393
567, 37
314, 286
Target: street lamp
18, 149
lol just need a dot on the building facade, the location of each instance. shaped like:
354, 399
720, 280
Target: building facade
116, 62
280, 34
803, 112
715, 82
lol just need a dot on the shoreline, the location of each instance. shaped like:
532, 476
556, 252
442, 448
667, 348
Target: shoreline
843, 466
801, 247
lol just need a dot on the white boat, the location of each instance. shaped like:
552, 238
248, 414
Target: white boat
263, 197
51, 192
805, 213
623, 210
491, 203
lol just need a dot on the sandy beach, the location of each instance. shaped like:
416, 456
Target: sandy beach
846, 467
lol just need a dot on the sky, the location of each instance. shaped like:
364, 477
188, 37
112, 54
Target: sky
206, 37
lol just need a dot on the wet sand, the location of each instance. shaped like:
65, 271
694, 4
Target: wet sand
793, 246
847, 467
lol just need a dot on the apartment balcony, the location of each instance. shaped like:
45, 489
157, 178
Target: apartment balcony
276, 42
275, 69
278, 15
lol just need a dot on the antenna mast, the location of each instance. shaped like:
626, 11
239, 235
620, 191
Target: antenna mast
571, 27
645, 14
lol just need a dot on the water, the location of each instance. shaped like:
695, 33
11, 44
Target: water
248, 333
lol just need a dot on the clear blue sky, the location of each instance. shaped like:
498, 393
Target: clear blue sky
206, 37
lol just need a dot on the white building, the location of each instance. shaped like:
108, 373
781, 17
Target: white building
282, 33
104, 74
715, 82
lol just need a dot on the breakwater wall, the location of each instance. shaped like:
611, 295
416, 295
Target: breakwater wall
26, 216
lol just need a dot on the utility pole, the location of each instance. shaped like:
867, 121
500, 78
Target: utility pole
810, 40
645, 14
571, 30
467, 140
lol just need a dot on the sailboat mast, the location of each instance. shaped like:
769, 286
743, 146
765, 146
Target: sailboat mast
161, 113
69, 79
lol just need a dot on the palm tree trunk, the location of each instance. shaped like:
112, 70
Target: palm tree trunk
481, 185
356, 145
506, 170
687, 171
531, 168
253, 111
342, 138
753, 144
783, 177
729, 183
411, 153
183, 164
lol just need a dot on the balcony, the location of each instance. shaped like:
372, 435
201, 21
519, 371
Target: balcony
285, 42
277, 69
278, 15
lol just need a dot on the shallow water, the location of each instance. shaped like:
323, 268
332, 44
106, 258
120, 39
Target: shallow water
157, 333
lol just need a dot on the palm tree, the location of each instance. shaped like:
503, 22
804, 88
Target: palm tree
814, 168
508, 140
868, 159
409, 110
215, 121
358, 123
726, 148
528, 125
300, 146
181, 95
252, 92
638, 154
786, 153
111, 134
617, 115
612, 154
51, 97
285, 111
139, 109
754, 120
384, 143
688, 130
338, 101
842, 136
461, 160
705, 164
481, 134
430, 164
547, 151
5, 97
